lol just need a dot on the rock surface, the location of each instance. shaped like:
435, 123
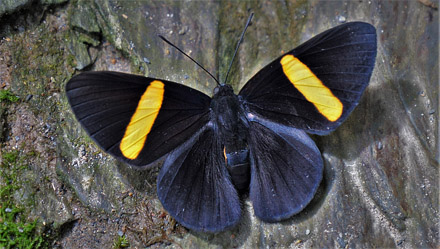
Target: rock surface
380, 186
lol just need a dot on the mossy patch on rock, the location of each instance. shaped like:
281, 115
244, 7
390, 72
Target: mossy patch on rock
16, 229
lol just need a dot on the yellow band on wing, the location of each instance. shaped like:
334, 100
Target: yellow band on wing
142, 120
312, 88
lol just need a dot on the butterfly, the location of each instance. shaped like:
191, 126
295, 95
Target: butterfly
215, 148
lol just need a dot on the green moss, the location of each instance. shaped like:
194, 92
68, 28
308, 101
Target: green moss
15, 230
7, 96
8, 174
15, 233
71, 61
121, 242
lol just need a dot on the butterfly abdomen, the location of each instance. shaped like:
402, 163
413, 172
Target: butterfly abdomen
237, 163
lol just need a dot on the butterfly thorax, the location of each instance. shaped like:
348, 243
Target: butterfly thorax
232, 129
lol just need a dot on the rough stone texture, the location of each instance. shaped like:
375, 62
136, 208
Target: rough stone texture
380, 186
48, 2
9, 6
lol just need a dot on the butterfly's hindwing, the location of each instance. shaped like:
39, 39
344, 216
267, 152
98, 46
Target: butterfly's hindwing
286, 169
194, 185
134, 118
315, 86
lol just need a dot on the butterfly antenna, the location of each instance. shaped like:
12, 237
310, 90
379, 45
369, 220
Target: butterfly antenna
180, 50
238, 45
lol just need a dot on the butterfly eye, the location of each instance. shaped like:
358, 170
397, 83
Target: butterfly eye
216, 90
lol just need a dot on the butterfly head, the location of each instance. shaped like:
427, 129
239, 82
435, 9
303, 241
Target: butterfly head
223, 90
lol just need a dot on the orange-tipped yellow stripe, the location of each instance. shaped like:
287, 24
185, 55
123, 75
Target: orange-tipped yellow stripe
312, 88
142, 120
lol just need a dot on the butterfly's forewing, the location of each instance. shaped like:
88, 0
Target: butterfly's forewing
194, 185
134, 118
315, 86
286, 169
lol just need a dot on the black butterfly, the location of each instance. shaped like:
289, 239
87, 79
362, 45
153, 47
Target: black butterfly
216, 147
